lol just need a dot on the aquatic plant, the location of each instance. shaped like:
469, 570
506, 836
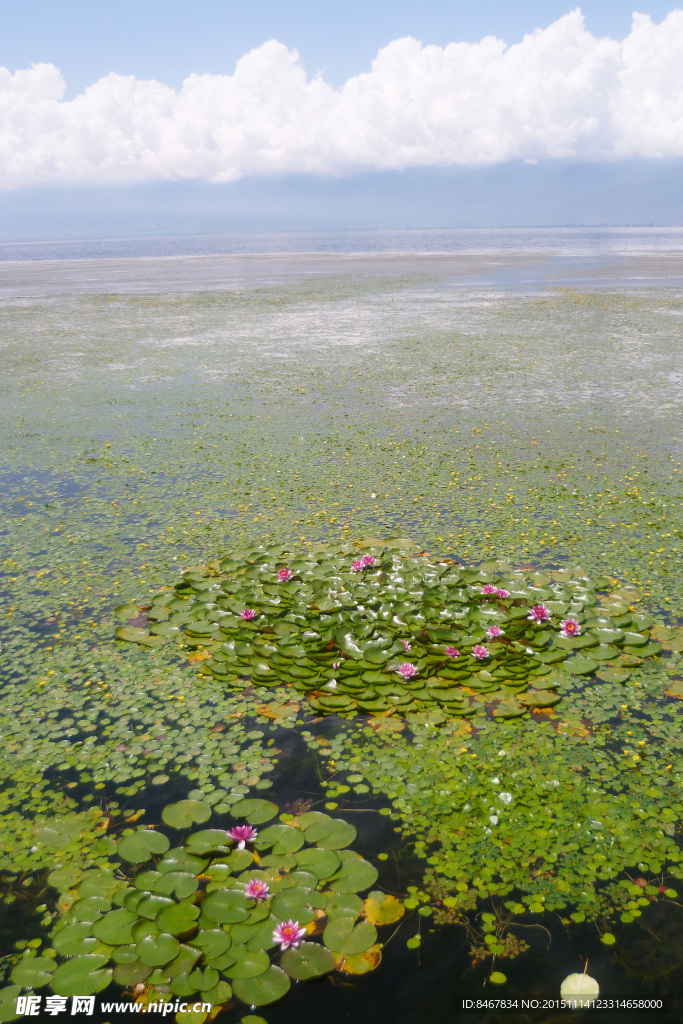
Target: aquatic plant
202, 918
339, 620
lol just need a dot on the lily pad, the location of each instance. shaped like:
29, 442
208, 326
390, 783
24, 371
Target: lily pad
33, 972
114, 928
321, 863
270, 986
82, 976
309, 960
382, 909
347, 938
140, 846
157, 950
185, 813
256, 811
178, 919
249, 965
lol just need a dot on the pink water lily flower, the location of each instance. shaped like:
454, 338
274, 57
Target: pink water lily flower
288, 934
406, 645
493, 632
248, 613
242, 834
452, 652
539, 613
480, 652
257, 890
502, 593
367, 560
569, 628
407, 670
284, 575
357, 565
488, 589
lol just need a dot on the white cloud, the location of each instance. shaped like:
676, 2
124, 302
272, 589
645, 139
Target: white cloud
560, 93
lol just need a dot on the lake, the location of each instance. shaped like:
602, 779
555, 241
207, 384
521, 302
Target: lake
185, 418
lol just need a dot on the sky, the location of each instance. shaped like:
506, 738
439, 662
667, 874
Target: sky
125, 92
170, 39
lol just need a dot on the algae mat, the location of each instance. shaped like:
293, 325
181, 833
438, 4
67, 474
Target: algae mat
145, 435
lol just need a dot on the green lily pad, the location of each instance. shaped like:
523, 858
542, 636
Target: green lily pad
140, 846
180, 883
90, 908
321, 863
82, 976
282, 839
129, 974
227, 906
343, 905
256, 811
157, 950
178, 919
75, 939
309, 960
114, 928
613, 675
293, 903
33, 972
132, 634
212, 941
250, 965
347, 938
180, 860
209, 840
333, 834
265, 989
185, 813
580, 666
355, 874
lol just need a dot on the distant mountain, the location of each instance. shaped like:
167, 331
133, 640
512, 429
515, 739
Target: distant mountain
633, 193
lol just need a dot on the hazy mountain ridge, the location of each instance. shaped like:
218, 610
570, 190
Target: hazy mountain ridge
557, 193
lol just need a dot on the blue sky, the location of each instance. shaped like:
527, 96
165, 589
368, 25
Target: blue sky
170, 39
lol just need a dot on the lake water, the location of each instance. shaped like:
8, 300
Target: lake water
525, 258
491, 394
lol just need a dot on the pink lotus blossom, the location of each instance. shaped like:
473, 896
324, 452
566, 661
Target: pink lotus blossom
257, 890
367, 561
406, 645
284, 575
407, 670
488, 589
242, 834
357, 566
452, 652
502, 593
493, 632
539, 613
569, 628
480, 652
288, 934
248, 613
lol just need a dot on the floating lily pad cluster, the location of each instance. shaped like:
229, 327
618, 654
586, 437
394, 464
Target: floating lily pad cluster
204, 918
380, 627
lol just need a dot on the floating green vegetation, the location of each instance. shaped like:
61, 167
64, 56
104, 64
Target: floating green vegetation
203, 918
381, 627
568, 816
